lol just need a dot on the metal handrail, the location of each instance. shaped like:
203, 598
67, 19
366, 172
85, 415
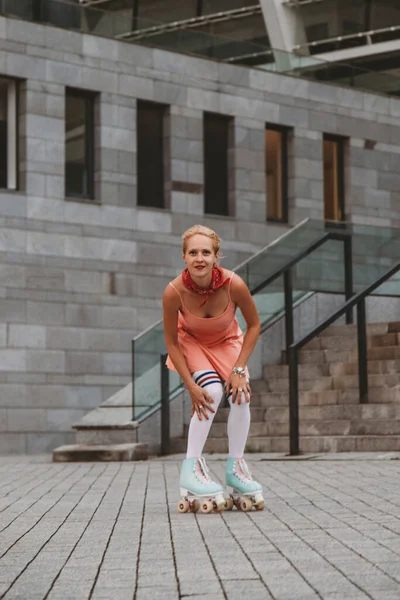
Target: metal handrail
293, 353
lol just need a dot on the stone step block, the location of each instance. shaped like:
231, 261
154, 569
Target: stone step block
329, 398
394, 327
375, 367
312, 428
378, 353
100, 453
308, 444
343, 330
375, 381
257, 414
377, 395
95, 436
266, 399
220, 429
307, 371
332, 343
320, 357
350, 443
348, 342
389, 339
318, 384
375, 427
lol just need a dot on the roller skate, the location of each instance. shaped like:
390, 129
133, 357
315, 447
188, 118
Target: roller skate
198, 491
246, 492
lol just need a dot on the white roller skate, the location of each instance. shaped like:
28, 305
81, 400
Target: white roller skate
198, 491
246, 492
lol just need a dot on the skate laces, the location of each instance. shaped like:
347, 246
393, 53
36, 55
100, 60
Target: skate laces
242, 470
202, 470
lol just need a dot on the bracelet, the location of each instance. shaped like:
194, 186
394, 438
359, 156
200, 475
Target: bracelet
239, 371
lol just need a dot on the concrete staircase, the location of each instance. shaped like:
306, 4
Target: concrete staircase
331, 418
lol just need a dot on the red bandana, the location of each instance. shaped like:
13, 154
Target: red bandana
216, 283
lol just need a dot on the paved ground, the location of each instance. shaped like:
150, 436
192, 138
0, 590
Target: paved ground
330, 529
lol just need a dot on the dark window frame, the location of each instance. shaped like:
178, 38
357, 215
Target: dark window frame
227, 120
284, 131
17, 173
161, 167
341, 143
90, 98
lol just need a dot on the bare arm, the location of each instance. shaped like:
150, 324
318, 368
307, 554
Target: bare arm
241, 296
201, 401
171, 305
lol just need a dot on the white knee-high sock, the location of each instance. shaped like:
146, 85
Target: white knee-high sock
198, 430
238, 426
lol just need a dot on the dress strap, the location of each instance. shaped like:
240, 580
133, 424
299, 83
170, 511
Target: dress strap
172, 285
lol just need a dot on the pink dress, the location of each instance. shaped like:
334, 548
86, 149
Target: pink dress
209, 343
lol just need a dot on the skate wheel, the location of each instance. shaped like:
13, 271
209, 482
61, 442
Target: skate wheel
228, 504
207, 507
218, 507
195, 506
183, 506
246, 504
259, 506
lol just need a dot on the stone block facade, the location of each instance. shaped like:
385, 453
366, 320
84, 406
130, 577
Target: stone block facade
78, 280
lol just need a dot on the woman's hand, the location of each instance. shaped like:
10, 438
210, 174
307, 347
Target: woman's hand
201, 402
238, 384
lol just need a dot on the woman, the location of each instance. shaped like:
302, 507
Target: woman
206, 347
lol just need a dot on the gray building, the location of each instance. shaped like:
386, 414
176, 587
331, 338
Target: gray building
108, 151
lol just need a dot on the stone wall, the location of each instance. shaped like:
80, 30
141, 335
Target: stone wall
78, 280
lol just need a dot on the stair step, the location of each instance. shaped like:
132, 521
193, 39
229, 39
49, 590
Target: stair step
322, 444
312, 371
257, 414
99, 453
328, 397
335, 382
372, 329
257, 429
375, 367
319, 357
348, 342
379, 353
335, 428
308, 444
305, 371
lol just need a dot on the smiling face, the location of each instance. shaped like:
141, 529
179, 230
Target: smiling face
200, 258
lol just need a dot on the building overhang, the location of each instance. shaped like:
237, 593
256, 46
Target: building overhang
359, 52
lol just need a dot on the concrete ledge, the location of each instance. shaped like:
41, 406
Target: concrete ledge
104, 453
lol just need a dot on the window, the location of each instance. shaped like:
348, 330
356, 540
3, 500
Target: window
334, 178
216, 163
150, 154
79, 140
8, 134
276, 173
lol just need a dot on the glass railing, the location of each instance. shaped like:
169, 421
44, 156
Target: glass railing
191, 39
374, 251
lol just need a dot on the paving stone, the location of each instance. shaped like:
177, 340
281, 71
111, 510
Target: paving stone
330, 530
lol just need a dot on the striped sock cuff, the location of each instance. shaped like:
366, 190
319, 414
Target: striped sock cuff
207, 378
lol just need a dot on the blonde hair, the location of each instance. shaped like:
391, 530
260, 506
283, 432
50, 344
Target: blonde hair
203, 230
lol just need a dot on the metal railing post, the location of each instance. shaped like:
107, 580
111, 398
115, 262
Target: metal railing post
288, 291
362, 352
348, 276
293, 402
165, 431
133, 380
